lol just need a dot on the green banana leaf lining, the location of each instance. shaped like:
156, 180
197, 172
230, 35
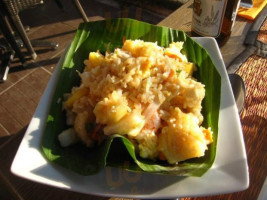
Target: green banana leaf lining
100, 35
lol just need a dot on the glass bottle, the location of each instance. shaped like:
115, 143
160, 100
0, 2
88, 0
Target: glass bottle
214, 18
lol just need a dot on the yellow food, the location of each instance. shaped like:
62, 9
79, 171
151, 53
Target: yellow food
75, 96
146, 93
111, 109
182, 134
96, 59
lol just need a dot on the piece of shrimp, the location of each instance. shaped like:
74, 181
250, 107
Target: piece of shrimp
152, 118
153, 123
147, 137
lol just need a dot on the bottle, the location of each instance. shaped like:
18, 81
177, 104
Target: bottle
214, 18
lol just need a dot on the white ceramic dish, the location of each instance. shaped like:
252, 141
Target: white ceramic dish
229, 172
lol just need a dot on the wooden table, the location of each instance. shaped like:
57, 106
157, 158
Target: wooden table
253, 121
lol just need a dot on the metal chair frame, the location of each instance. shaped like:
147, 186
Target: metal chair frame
5, 28
14, 7
81, 10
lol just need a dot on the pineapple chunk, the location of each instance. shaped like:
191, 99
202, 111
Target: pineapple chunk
189, 68
145, 68
130, 46
111, 109
75, 96
96, 59
182, 138
131, 125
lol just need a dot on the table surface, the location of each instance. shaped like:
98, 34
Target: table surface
253, 119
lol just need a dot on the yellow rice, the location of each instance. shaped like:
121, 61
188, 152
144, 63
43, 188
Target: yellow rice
146, 93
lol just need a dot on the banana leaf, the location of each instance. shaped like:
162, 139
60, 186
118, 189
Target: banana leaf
109, 34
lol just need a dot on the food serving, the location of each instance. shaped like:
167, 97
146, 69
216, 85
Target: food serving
144, 92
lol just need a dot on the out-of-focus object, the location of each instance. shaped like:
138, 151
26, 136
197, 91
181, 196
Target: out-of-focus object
239, 90
263, 192
80, 9
14, 7
246, 3
214, 19
7, 33
255, 42
252, 13
5, 58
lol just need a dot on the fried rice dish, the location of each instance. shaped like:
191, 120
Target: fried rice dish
144, 92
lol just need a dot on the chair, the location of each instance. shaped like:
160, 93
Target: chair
80, 10
7, 33
14, 7
6, 56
